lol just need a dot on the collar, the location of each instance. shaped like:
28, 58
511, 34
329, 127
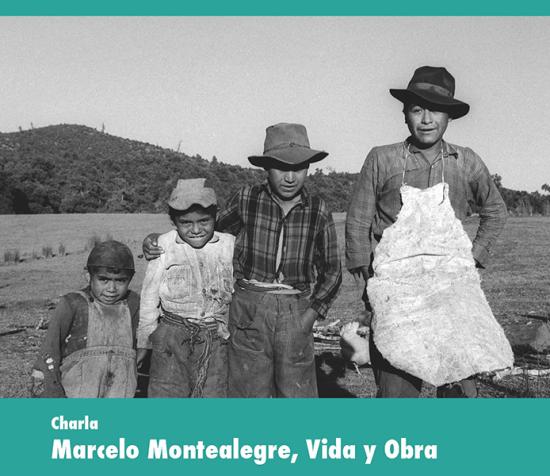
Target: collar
448, 149
215, 238
304, 194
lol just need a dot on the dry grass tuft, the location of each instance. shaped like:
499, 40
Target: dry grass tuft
12, 256
47, 251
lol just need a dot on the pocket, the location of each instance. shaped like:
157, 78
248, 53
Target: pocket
246, 328
241, 313
159, 338
162, 357
153, 337
301, 346
71, 377
299, 309
179, 281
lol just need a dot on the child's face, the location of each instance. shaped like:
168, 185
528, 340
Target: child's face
195, 228
108, 287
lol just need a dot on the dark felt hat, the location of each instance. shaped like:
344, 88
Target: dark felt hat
288, 144
434, 87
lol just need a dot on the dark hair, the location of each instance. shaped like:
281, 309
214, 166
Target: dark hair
212, 210
93, 270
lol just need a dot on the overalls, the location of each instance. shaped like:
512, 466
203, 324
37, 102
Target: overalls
431, 319
106, 367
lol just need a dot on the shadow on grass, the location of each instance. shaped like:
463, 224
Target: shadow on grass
329, 369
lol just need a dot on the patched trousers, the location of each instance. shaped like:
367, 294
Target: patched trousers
187, 362
270, 351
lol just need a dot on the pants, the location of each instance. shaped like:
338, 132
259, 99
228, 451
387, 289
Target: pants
395, 383
270, 352
100, 372
187, 362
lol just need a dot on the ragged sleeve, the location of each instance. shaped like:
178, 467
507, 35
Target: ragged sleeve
49, 357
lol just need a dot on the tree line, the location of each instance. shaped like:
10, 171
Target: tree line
77, 169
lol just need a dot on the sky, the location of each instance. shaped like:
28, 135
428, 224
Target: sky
211, 85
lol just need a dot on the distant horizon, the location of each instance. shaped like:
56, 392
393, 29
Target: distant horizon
326, 170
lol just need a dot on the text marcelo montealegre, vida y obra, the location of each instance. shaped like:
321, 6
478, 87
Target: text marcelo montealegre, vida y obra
321, 448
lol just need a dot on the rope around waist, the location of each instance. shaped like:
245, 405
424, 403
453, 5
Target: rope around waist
192, 324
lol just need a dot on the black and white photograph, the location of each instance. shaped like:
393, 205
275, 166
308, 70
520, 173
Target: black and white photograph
286, 207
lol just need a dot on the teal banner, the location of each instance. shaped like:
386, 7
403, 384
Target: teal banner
247, 437
281, 7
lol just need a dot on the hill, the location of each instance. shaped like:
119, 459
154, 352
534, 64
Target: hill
77, 169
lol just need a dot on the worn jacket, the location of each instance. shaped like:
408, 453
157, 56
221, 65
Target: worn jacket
376, 198
192, 283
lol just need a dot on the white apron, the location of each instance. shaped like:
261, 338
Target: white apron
431, 318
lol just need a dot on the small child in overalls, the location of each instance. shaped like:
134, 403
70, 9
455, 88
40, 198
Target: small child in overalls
89, 349
185, 299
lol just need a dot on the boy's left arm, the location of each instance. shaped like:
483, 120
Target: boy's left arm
329, 269
228, 219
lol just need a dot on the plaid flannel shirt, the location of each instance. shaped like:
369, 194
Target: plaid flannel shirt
310, 248
376, 198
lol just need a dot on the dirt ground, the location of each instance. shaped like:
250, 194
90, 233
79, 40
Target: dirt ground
516, 282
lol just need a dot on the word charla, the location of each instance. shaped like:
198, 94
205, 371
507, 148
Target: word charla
62, 423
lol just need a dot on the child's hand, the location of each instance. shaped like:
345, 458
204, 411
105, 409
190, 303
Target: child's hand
308, 319
150, 247
42, 387
37, 384
140, 356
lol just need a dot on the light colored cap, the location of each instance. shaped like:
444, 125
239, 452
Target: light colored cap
190, 192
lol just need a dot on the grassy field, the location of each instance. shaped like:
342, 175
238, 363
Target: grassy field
516, 282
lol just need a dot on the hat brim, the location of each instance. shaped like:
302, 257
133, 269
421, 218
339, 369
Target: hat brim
186, 201
451, 106
289, 156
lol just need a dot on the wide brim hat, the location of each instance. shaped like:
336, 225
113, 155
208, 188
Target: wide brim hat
287, 144
433, 87
189, 192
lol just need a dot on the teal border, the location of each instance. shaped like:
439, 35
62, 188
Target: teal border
275, 8
503, 437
